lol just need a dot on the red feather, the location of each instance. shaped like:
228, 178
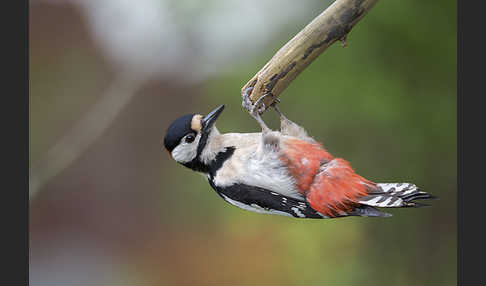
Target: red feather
330, 184
303, 160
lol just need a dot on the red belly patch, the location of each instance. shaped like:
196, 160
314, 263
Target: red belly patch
337, 189
303, 160
330, 185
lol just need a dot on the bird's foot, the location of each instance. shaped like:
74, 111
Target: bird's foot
246, 101
255, 109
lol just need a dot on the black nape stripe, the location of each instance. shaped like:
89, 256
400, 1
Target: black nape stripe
202, 143
221, 157
197, 165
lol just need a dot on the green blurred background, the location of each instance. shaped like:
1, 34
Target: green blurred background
108, 205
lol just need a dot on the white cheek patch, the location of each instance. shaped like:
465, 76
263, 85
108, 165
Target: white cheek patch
186, 152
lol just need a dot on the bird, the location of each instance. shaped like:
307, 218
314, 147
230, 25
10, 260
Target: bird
285, 172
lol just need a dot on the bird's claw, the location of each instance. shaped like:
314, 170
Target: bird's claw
275, 102
246, 101
255, 109
259, 106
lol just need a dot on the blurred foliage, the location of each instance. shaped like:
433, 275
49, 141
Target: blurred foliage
386, 103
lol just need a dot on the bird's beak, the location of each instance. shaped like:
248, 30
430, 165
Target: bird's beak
209, 120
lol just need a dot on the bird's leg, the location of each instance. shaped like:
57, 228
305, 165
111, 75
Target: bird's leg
280, 114
290, 128
256, 113
254, 109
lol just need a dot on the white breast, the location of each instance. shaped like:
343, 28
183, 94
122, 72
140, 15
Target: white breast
250, 166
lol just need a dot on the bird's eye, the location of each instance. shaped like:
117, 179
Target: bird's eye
190, 138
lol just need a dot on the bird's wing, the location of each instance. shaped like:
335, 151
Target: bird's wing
265, 201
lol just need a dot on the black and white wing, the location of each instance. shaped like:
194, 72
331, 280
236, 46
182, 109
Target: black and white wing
265, 201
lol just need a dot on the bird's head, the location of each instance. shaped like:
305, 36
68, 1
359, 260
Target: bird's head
188, 135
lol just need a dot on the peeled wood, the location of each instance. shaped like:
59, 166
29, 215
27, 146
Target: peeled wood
330, 26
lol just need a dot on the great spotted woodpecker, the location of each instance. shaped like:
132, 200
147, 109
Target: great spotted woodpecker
282, 172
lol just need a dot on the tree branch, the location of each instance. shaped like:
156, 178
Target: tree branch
330, 26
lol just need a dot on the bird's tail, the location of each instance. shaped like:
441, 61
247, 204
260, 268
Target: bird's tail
395, 195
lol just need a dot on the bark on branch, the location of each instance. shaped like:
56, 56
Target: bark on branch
330, 26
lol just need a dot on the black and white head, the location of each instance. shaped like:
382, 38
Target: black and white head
187, 137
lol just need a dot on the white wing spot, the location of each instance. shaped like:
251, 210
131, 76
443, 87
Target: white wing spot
397, 203
297, 212
254, 207
385, 202
408, 192
372, 201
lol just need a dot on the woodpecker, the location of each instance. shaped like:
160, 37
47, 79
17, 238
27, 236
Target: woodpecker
283, 172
